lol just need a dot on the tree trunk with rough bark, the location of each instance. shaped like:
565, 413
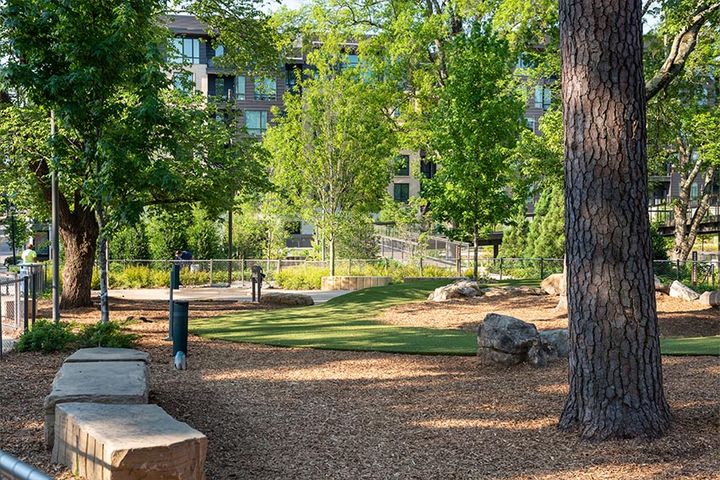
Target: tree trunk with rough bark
615, 371
686, 225
79, 235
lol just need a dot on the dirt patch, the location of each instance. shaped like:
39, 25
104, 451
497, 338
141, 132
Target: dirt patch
677, 318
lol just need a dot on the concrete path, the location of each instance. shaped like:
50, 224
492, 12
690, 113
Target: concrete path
213, 293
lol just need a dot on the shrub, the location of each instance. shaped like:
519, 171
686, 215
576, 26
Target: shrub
301, 278
47, 337
108, 334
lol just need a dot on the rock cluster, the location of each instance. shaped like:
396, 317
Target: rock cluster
506, 340
470, 289
678, 290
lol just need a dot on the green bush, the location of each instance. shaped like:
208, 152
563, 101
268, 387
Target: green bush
108, 334
301, 278
47, 337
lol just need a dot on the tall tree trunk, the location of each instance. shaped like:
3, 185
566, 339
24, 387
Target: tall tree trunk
686, 229
615, 371
79, 234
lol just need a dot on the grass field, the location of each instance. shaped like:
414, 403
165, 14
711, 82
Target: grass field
347, 323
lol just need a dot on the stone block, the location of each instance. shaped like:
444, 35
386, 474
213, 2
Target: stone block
287, 299
104, 354
96, 382
711, 299
127, 442
678, 290
350, 282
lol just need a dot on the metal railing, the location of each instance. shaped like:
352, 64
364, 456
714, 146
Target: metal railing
13, 469
19, 294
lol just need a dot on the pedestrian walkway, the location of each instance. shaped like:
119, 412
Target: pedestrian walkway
213, 293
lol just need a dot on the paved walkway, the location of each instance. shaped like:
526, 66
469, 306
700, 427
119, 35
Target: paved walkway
213, 293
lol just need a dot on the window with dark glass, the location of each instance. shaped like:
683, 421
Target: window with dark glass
402, 165
291, 78
401, 192
256, 121
220, 90
265, 89
428, 168
186, 50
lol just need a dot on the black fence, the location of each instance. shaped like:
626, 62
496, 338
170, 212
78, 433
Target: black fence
19, 295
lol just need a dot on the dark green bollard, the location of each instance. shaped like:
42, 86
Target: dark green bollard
175, 277
180, 327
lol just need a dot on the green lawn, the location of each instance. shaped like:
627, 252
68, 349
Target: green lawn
347, 323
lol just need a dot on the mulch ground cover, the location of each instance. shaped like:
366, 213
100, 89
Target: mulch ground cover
279, 413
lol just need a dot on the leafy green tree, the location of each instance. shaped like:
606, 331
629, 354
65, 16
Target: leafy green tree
167, 232
130, 242
124, 141
332, 149
249, 231
203, 235
476, 125
546, 236
515, 237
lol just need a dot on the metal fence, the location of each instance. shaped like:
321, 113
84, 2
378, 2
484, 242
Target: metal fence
19, 294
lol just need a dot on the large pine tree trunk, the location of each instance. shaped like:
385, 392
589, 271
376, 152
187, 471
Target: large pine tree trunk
79, 234
615, 372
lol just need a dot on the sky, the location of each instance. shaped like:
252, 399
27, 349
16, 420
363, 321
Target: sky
272, 5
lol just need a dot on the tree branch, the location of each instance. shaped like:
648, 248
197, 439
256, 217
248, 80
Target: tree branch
683, 45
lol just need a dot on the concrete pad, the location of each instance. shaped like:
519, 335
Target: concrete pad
214, 294
127, 442
96, 382
104, 354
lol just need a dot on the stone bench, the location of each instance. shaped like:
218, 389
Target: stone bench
97, 382
127, 442
349, 282
105, 354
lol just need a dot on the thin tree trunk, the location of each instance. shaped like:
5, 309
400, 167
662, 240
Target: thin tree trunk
475, 252
686, 231
332, 255
615, 371
103, 266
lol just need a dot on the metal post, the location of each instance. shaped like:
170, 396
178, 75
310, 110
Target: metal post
542, 269
501, 268
211, 273
54, 236
693, 269
26, 305
242, 270
229, 255
677, 270
34, 296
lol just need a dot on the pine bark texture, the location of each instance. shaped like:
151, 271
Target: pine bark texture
615, 371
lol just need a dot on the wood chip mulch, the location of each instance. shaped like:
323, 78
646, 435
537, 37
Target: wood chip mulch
677, 318
280, 413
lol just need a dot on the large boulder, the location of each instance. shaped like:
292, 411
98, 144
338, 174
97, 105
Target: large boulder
554, 284
504, 339
459, 289
711, 299
678, 290
286, 299
660, 286
558, 340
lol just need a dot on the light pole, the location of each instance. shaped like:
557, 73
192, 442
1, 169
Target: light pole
54, 240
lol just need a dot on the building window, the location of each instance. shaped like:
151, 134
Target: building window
220, 90
183, 81
352, 61
694, 191
265, 89
543, 97
291, 78
401, 192
219, 51
531, 123
256, 121
428, 168
402, 165
187, 50
240, 87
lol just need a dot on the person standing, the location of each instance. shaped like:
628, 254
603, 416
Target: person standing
29, 255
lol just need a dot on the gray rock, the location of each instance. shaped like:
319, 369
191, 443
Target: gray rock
659, 286
103, 354
287, 299
678, 290
96, 382
492, 356
459, 289
554, 284
558, 340
506, 334
121, 442
711, 299
540, 354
